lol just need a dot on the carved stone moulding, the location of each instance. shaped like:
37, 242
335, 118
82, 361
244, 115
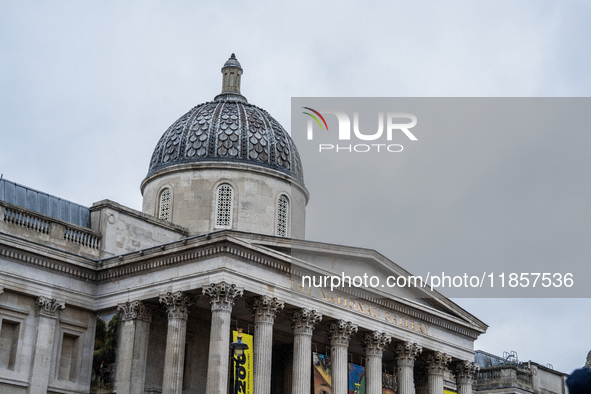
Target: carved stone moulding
222, 295
374, 343
265, 308
49, 306
177, 304
340, 331
304, 320
137, 309
406, 352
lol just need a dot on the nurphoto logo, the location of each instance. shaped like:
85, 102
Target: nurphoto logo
392, 121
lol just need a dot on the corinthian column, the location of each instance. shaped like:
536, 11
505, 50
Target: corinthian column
264, 310
374, 344
437, 363
303, 322
221, 297
465, 372
133, 349
406, 353
339, 332
46, 314
177, 305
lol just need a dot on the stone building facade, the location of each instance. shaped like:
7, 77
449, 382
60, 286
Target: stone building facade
507, 375
219, 244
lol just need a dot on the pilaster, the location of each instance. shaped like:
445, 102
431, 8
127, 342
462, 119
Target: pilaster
46, 311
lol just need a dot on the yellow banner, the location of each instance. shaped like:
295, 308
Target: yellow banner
245, 365
448, 392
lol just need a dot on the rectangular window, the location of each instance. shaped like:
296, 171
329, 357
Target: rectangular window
68, 365
8, 344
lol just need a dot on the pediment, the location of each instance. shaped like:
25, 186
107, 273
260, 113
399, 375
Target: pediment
320, 260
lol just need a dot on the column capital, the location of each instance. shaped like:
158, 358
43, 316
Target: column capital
222, 295
465, 371
177, 304
374, 342
48, 306
406, 352
437, 362
135, 310
265, 308
304, 320
340, 332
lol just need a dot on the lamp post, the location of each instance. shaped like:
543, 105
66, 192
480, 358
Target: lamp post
238, 358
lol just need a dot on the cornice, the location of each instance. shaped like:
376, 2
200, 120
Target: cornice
47, 263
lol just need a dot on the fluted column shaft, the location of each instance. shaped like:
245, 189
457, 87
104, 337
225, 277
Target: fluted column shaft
435, 383
264, 311
374, 344
47, 310
340, 332
303, 322
177, 305
133, 348
406, 353
222, 296
436, 365
465, 372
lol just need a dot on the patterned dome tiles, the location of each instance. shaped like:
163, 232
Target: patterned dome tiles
228, 131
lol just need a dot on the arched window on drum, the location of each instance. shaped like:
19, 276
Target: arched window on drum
165, 204
282, 226
224, 203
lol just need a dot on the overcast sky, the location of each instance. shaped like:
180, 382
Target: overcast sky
88, 88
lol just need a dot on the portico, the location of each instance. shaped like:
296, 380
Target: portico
254, 288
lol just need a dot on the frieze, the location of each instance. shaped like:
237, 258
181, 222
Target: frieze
405, 318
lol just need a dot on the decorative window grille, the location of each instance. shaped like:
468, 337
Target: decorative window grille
223, 212
165, 204
282, 216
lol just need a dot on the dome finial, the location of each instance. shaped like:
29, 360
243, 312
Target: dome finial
231, 76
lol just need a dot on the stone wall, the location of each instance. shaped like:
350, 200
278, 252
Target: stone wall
256, 192
125, 230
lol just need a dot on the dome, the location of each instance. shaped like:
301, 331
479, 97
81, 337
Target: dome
228, 129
